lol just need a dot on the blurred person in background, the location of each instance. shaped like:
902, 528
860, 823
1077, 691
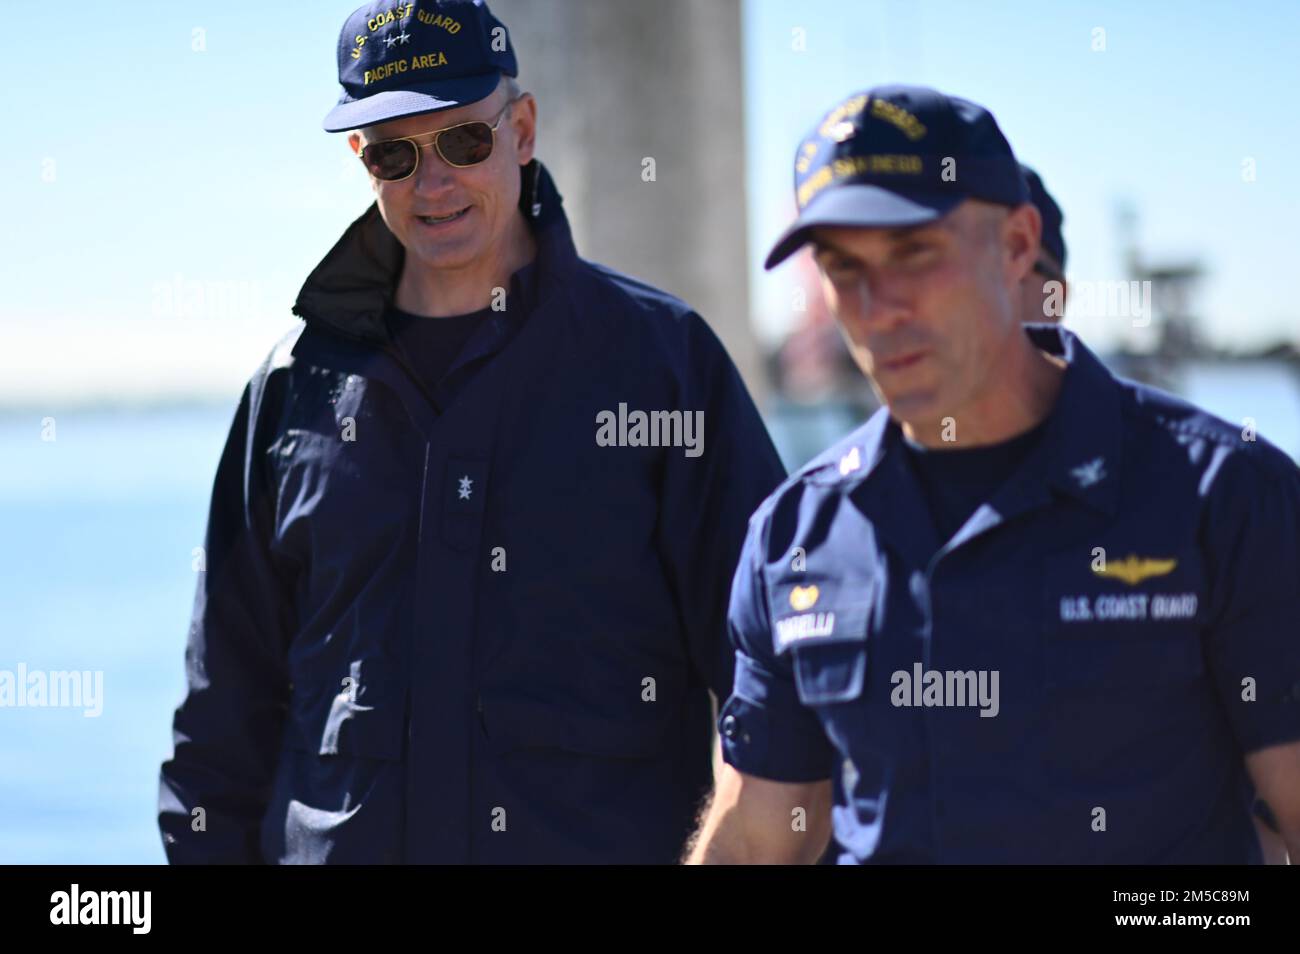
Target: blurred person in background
1044, 289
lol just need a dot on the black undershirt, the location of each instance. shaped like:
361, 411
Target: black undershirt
433, 344
955, 482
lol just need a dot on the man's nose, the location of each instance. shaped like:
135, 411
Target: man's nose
883, 300
434, 175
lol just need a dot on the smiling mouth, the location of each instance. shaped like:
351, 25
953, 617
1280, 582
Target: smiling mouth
443, 219
898, 364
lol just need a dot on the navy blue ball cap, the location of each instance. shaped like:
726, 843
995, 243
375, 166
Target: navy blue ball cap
896, 156
403, 59
1053, 241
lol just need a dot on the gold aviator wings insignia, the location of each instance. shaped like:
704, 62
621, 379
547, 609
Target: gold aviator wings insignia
1133, 570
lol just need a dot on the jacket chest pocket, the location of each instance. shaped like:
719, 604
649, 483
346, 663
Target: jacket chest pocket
363, 713
1128, 624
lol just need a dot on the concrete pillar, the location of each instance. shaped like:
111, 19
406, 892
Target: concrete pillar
622, 81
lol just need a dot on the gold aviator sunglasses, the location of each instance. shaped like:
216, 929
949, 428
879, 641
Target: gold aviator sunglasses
462, 145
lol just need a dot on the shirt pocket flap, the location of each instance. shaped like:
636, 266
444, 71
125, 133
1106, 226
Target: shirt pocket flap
811, 610
829, 653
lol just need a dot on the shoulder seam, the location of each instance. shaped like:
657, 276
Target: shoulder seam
615, 279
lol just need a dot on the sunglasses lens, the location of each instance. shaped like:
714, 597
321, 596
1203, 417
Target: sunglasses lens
466, 145
390, 160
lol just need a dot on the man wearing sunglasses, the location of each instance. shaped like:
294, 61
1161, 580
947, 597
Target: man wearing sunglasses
470, 543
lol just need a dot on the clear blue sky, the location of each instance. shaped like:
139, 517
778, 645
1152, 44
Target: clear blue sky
1163, 118
142, 173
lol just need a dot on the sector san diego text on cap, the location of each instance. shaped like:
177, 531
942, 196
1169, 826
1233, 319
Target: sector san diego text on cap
405, 59
897, 156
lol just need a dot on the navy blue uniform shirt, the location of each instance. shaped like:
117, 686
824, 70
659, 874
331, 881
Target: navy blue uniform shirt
1075, 676
955, 482
441, 621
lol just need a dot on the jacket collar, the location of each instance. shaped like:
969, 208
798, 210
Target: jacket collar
352, 287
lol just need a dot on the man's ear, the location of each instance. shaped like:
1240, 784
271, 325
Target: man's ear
1022, 232
354, 140
523, 120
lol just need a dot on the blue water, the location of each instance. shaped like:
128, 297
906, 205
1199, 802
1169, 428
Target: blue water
95, 574
96, 558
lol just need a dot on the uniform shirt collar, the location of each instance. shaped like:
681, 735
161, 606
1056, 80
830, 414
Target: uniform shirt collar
1078, 455
1081, 449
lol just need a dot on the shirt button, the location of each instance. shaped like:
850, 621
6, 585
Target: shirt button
729, 727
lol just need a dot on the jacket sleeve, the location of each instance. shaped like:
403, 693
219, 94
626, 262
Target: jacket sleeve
227, 730
707, 499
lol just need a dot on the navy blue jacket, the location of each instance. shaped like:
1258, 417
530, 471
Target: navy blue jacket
1134, 588
441, 621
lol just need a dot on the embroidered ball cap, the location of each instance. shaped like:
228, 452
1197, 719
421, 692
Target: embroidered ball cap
404, 59
897, 156
1053, 241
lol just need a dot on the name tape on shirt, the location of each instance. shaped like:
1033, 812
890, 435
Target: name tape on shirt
793, 629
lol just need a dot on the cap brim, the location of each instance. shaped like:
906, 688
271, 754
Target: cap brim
401, 103
861, 206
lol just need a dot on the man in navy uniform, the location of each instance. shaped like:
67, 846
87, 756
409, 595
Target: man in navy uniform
1028, 612
1043, 297
472, 533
